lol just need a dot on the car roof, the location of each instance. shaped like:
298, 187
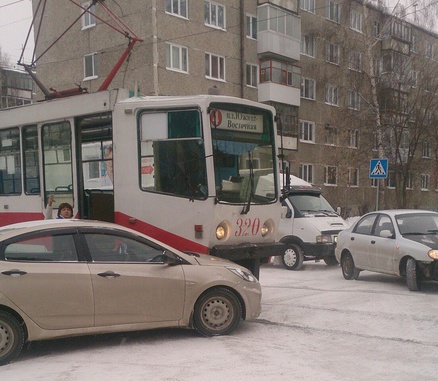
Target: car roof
12, 230
395, 212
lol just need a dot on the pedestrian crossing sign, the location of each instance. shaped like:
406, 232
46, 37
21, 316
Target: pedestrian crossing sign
378, 168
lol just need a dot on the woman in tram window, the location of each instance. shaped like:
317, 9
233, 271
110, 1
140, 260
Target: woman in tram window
65, 210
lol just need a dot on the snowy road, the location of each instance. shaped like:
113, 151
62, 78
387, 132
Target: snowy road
314, 326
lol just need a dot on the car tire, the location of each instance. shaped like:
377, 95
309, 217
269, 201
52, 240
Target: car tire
331, 261
293, 257
11, 337
413, 275
217, 312
349, 270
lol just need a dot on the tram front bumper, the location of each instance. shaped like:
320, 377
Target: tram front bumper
249, 255
248, 250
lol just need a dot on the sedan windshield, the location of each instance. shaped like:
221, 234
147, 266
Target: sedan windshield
418, 223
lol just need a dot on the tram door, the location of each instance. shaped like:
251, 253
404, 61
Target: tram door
95, 167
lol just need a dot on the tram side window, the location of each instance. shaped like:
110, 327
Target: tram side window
57, 161
31, 167
10, 162
173, 154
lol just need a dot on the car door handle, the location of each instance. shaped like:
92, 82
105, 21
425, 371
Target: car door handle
109, 274
373, 242
14, 272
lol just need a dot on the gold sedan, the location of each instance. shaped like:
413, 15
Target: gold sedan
61, 278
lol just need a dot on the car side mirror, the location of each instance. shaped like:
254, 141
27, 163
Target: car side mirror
172, 259
386, 234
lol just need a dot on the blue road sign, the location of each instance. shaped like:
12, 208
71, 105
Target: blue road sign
378, 168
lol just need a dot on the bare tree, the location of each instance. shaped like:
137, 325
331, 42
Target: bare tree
5, 60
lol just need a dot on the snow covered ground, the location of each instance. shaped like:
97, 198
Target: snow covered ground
314, 326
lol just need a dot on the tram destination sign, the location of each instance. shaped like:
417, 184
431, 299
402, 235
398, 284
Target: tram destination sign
236, 121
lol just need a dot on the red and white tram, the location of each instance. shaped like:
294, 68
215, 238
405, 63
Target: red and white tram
183, 169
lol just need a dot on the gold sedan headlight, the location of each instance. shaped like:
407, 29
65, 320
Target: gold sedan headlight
433, 254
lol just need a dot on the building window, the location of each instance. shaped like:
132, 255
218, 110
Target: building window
426, 150
353, 100
280, 72
176, 58
88, 19
306, 172
308, 5
333, 11
376, 28
410, 181
330, 175
331, 94
90, 66
308, 45
332, 53
425, 181
414, 78
214, 14
355, 62
356, 20
428, 49
353, 138
307, 131
214, 66
330, 135
251, 26
308, 88
390, 180
353, 177
251, 75
414, 43
176, 7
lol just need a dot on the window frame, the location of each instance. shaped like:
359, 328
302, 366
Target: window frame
329, 172
307, 128
169, 8
251, 26
94, 74
307, 172
220, 67
181, 61
88, 19
332, 53
333, 11
208, 16
356, 20
331, 95
254, 70
308, 88
308, 46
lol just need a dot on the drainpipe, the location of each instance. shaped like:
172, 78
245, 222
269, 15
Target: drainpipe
154, 48
242, 48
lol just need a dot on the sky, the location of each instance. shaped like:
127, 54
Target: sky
15, 20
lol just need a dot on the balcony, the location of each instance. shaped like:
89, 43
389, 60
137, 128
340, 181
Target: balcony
270, 43
274, 92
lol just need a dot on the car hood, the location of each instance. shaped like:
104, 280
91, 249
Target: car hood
430, 240
209, 260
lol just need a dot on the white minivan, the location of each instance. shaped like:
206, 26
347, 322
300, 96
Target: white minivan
310, 227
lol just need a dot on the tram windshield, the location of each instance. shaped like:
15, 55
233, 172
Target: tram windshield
244, 153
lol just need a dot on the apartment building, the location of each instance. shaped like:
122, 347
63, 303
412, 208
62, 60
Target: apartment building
344, 76
368, 90
16, 88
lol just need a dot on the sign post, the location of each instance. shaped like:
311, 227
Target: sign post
378, 170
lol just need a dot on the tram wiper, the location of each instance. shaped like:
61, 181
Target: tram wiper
247, 205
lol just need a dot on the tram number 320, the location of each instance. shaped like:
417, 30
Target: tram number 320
247, 226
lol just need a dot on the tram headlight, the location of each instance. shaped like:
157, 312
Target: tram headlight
267, 228
223, 230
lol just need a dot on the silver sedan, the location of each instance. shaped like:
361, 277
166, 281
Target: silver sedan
397, 242
61, 278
